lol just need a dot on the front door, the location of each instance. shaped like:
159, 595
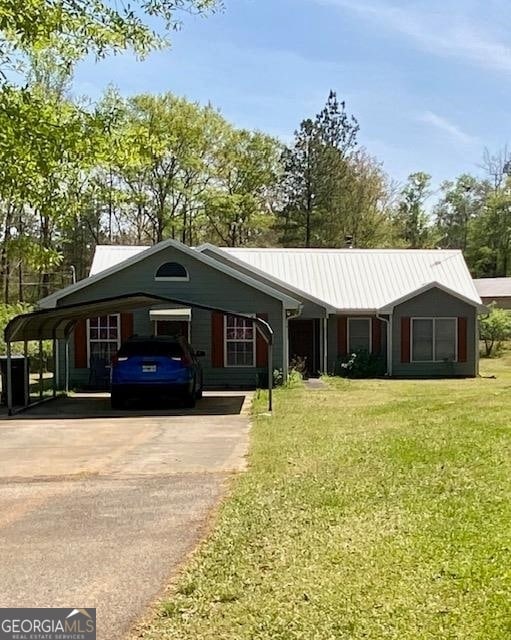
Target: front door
304, 346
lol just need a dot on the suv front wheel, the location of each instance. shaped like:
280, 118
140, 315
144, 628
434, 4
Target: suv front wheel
116, 399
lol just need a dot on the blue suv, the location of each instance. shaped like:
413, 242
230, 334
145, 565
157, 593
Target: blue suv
166, 366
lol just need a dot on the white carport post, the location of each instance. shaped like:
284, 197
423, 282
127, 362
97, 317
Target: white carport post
270, 376
325, 345
66, 365
40, 367
55, 361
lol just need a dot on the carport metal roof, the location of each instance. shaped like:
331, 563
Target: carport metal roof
58, 322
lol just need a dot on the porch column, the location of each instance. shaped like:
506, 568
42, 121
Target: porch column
285, 345
325, 344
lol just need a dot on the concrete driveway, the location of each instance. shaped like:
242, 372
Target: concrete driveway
100, 508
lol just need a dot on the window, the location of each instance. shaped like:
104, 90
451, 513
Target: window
172, 271
359, 334
239, 342
104, 338
434, 340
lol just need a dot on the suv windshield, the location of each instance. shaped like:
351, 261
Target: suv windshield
150, 348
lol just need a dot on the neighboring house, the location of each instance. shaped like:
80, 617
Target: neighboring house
496, 290
416, 309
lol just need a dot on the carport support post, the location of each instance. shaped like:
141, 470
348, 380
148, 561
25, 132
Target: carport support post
26, 376
270, 376
55, 362
9, 379
40, 369
66, 366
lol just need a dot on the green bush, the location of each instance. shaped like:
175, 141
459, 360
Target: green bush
361, 364
494, 329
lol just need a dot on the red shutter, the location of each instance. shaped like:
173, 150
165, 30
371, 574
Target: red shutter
376, 338
462, 340
405, 339
126, 326
261, 345
217, 339
342, 335
80, 332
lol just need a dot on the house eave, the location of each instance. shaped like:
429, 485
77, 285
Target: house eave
52, 300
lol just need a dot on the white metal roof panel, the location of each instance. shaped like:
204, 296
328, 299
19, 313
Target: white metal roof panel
107, 256
361, 279
493, 287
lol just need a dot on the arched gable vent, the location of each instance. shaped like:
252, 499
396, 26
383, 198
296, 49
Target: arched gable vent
172, 271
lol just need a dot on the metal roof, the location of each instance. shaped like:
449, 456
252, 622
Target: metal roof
106, 255
58, 322
344, 279
493, 287
363, 279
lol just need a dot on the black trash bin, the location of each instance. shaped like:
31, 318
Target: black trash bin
19, 379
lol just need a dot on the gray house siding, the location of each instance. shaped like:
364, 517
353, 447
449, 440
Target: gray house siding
206, 286
434, 303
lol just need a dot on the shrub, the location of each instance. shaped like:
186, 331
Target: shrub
494, 329
361, 364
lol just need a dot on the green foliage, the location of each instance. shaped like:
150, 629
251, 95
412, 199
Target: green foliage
460, 203
412, 219
495, 328
332, 193
361, 364
75, 28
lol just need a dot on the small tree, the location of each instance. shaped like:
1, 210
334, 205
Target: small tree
495, 328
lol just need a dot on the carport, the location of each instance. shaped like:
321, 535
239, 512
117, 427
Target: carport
57, 324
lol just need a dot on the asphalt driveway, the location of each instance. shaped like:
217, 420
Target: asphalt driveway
99, 508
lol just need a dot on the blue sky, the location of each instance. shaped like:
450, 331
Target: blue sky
427, 80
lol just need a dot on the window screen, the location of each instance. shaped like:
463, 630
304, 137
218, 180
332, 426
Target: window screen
104, 338
445, 339
239, 342
434, 339
359, 334
422, 341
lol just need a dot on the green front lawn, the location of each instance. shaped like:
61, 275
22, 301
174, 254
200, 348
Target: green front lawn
371, 510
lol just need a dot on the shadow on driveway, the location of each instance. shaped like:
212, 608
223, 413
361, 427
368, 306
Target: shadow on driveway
97, 405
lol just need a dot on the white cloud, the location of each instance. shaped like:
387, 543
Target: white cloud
444, 125
443, 30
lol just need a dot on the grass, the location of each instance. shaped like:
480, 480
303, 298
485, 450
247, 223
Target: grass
371, 510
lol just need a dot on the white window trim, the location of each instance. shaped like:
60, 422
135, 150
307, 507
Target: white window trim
370, 332
434, 319
171, 279
118, 316
254, 346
